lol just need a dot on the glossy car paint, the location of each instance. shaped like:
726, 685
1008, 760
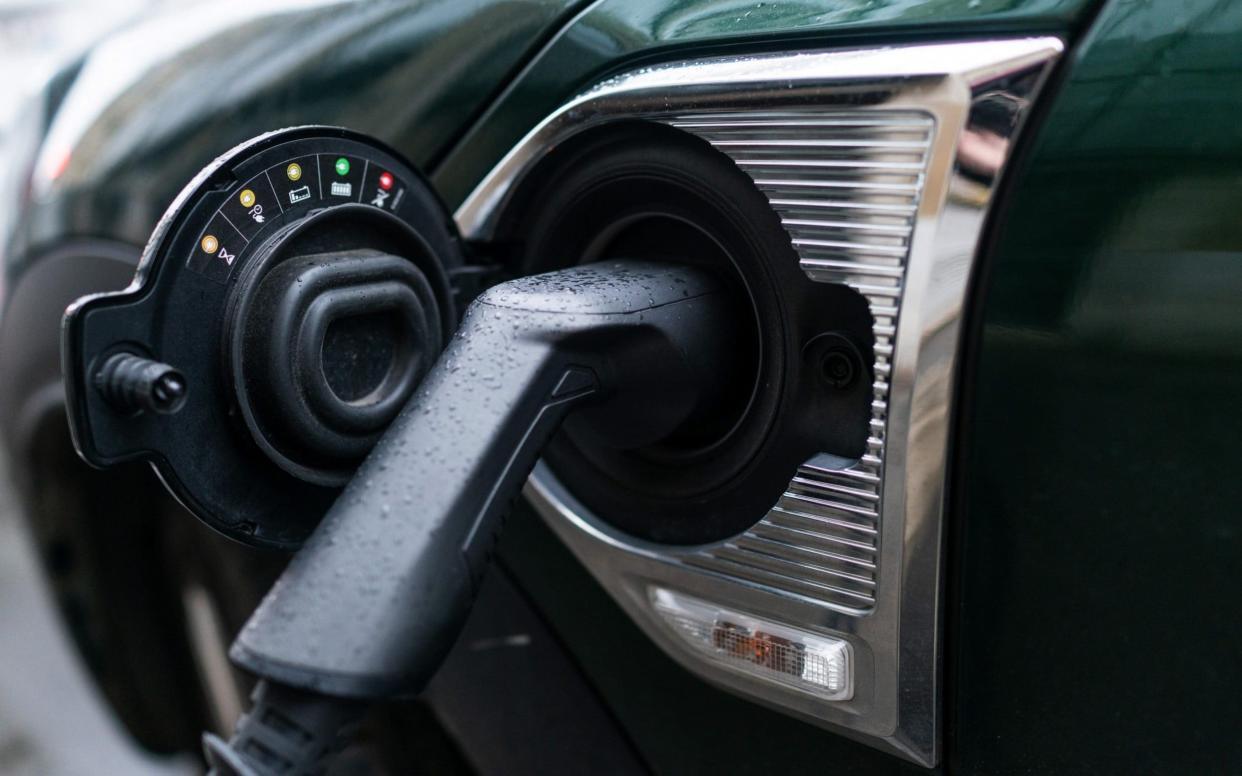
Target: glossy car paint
452, 85
1097, 491
157, 101
150, 106
614, 35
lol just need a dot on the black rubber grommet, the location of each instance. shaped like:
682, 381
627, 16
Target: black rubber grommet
410, 327
296, 303
282, 310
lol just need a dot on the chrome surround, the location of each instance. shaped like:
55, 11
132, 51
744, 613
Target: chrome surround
916, 294
846, 185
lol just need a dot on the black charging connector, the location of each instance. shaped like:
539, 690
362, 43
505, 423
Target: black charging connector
288, 731
375, 599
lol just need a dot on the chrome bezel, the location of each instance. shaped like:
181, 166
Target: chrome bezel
896, 642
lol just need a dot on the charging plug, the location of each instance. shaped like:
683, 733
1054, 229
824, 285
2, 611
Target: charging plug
373, 602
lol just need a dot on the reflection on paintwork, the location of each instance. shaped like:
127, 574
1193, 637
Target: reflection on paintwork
668, 21
614, 33
1099, 465
161, 100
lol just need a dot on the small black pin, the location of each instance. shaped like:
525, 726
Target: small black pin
131, 383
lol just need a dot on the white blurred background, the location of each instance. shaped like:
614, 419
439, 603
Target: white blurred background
37, 35
52, 721
36, 38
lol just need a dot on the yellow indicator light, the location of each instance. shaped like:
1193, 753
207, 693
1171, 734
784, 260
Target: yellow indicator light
209, 244
294, 171
246, 198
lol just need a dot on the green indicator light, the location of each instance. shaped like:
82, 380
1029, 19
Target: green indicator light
342, 166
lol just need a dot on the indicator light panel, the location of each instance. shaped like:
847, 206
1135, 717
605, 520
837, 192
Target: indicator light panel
287, 189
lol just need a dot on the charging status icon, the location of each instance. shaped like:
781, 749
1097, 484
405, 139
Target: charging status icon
246, 198
342, 166
294, 171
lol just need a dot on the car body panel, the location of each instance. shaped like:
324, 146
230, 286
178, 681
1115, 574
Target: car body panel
1097, 490
155, 102
612, 35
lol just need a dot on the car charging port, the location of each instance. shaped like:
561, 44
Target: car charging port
324, 348
661, 237
650, 191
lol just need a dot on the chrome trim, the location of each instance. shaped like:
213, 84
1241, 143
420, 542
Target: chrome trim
932, 164
846, 184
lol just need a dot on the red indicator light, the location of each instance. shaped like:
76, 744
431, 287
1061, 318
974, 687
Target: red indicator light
385, 181
62, 164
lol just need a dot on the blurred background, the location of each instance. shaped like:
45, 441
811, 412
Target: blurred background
36, 38
52, 719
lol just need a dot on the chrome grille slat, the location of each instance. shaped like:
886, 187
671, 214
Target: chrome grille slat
788, 566
851, 248
860, 186
867, 290
792, 581
812, 557
783, 204
793, 501
833, 489
814, 541
854, 267
856, 474
866, 143
819, 530
822, 515
862, 226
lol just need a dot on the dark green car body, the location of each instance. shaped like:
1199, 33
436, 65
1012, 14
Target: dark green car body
1093, 518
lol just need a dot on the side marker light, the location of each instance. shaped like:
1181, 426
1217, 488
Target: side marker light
811, 662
